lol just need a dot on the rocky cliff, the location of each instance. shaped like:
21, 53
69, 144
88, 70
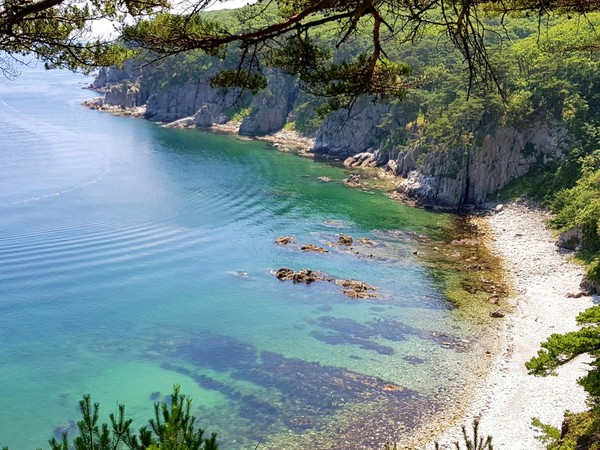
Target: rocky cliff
270, 108
344, 133
197, 99
452, 176
430, 174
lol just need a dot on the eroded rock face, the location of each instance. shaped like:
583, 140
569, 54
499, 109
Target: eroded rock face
343, 134
196, 99
107, 76
455, 176
270, 107
125, 95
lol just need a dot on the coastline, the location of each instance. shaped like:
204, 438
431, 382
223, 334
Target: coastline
284, 140
507, 399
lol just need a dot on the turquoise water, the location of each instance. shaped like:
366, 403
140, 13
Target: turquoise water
133, 257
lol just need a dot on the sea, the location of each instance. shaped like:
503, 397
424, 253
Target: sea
134, 258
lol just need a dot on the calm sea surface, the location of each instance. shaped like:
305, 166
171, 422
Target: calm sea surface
133, 257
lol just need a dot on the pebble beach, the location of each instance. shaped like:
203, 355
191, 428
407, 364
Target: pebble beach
542, 277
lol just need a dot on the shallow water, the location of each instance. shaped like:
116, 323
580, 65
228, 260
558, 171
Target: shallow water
133, 257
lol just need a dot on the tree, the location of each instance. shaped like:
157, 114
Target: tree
172, 428
59, 31
279, 33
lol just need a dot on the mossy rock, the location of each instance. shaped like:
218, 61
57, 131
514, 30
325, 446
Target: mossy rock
579, 432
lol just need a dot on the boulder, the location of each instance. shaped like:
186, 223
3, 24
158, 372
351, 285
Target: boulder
356, 289
302, 276
571, 239
353, 181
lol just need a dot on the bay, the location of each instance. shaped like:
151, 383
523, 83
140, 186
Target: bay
134, 257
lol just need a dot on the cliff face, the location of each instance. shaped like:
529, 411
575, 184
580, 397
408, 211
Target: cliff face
190, 99
270, 108
455, 176
431, 175
345, 133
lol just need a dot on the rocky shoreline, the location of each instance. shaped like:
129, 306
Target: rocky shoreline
507, 398
544, 281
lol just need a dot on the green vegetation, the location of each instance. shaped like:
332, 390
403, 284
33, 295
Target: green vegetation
580, 431
172, 428
475, 443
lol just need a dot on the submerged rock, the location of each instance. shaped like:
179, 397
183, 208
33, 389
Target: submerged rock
353, 181
302, 276
356, 289
366, 241
284, 240
351, 288
313, 248
345, 239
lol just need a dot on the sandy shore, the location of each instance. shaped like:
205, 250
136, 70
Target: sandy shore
542, 276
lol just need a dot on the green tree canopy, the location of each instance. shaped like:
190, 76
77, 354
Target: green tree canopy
294, 36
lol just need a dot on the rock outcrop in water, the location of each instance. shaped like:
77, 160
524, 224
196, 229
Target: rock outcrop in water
429, 174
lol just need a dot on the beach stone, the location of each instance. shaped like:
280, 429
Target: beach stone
497, 314
577, 294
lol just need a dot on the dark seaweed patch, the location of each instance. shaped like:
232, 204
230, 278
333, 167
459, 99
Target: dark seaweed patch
69, 427
351, 332
346, 326
415, 360
344, 339
295, 394
218, 352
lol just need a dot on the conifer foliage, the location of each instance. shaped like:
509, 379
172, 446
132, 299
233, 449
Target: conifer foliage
172, 428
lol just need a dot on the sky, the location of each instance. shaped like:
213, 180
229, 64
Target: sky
104, 29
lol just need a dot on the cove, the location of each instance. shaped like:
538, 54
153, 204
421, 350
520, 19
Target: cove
133, 257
